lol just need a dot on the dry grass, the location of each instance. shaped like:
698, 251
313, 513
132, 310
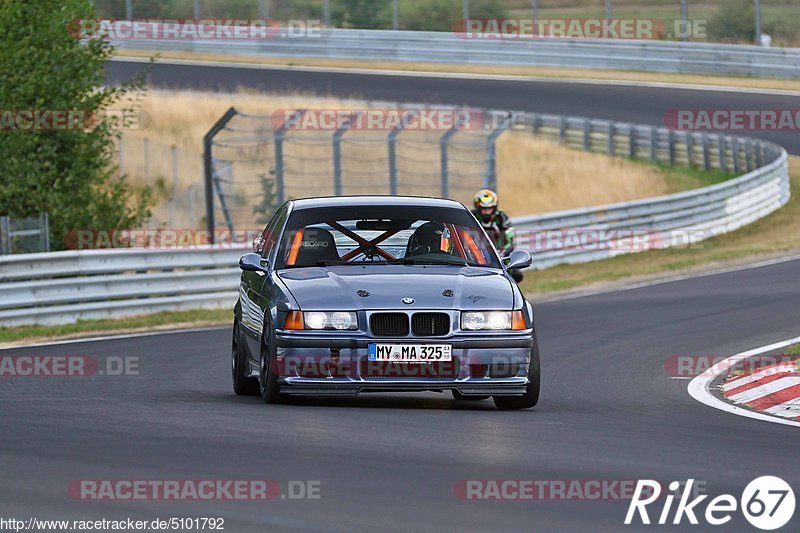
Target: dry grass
543, 72
776, 235
538, 176
533, 175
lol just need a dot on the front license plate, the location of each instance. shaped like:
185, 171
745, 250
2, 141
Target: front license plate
410, 353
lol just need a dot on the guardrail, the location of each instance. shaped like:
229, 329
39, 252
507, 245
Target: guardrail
448, 47
62, 287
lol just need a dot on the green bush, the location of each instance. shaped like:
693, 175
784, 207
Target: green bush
734, 21
442, 15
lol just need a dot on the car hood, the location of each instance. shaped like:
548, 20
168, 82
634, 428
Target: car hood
432, 287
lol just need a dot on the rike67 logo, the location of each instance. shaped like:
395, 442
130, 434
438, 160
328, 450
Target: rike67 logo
767, 503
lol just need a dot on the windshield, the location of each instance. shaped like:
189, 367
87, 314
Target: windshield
384, 235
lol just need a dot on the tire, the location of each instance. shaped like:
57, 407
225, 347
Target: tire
268, 380
243, 384
516, 274
531, 396
460, 397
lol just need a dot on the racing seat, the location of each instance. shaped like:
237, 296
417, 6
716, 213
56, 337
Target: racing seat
426, 239
317, 244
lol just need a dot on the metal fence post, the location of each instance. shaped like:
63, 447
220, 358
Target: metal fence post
723, 156
671, 142
587, 135
562, 130
278, 137
535, 124
737, 166
631, 141
445, 138
208, 168
654, 144
392, 147
44, 232
5, 236
612, 146
706, 152
490, 177
748, 154
689, 149
337, 154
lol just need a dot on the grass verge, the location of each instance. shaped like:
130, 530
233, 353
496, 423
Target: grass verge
133, 324
502, 70
778, 233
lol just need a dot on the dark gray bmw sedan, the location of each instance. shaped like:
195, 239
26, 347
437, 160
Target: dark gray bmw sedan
353, 294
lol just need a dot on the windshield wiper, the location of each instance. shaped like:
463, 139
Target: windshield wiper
430, 261
333, 262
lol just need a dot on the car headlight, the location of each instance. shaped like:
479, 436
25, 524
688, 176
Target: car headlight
492, 320
339, 320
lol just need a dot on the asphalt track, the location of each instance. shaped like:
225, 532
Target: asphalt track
608, 411
641, 105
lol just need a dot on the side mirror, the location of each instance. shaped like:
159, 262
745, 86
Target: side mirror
518, 259
253, 263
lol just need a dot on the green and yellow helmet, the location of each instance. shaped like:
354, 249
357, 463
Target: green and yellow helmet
485, 198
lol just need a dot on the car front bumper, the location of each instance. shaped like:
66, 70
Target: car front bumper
338, 364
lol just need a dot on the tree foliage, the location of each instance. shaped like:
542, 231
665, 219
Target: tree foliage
734, 21
67, 173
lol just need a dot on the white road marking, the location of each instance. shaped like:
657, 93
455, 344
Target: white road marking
699, 386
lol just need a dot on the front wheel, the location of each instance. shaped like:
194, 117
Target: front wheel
531, 396
267, 374
243, 384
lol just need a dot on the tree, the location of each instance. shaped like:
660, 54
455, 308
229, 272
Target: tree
365, 14
734, 21
68, 173
444, 15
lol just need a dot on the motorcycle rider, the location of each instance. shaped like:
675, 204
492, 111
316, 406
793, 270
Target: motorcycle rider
497, 225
